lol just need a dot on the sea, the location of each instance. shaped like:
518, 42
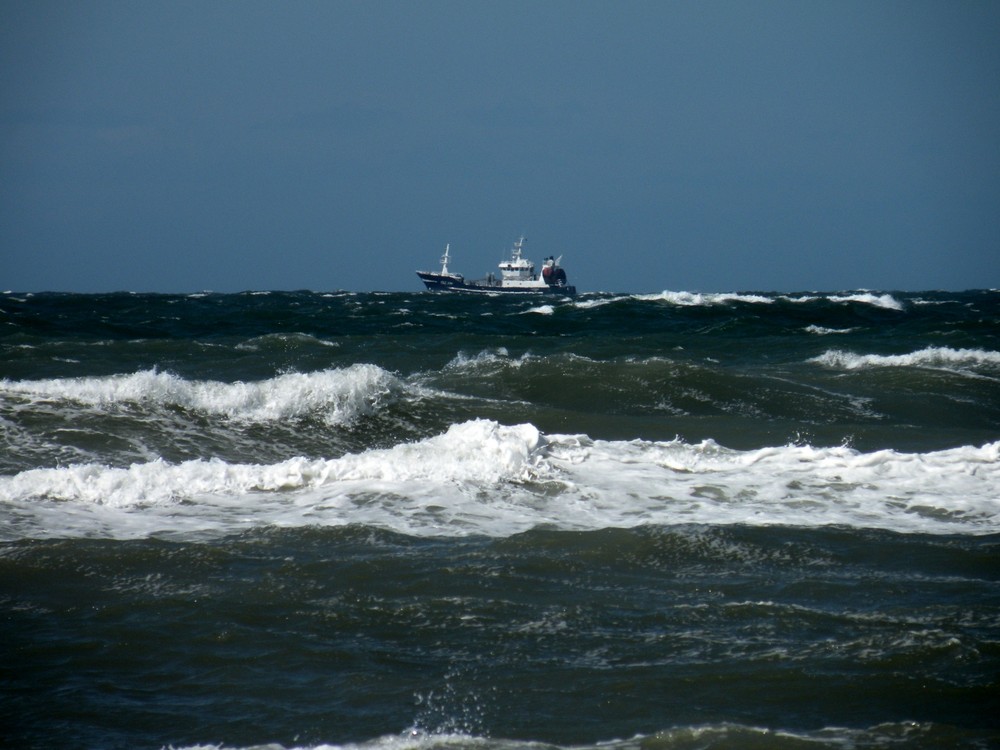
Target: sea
411, 521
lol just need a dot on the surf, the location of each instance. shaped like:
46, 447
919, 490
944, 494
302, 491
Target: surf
939, 357
483, 478
337, 395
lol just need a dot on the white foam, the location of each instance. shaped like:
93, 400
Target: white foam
886, 301
954, 491
693, 299
700, 299
823, 331
478, 451
681, 299
436, 740
935, 356
725, 734
483, 478
256, 343
339, 395
541, 310
485, 358
500, 358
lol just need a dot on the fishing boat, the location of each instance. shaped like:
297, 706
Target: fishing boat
516, 275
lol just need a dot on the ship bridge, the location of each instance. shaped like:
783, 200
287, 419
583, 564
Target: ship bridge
517, 268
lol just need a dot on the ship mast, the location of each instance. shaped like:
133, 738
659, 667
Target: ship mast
517, 247
444, 259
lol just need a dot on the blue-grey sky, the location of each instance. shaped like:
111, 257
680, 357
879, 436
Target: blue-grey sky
706, 146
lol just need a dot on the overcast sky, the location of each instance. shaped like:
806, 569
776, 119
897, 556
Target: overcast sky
701, 146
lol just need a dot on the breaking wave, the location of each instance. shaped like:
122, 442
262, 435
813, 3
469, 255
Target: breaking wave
478, 451
692, 299
483, 478
886, 301
338, 396
715, 299
939, 357
718, 736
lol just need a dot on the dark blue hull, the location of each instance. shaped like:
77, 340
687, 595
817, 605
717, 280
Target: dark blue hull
437, 282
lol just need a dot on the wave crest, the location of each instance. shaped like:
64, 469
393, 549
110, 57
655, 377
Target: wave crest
715, 299
697, 299
483, 478
338, 395
935, 356
479, 451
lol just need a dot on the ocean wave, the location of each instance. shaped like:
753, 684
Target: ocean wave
482, 478
541, 310
935, 356
717, 736
886, 301
283, 340
338, 396
500, 357
478, 452
823, 331
679, 299
698, 299
486, 358
714, 299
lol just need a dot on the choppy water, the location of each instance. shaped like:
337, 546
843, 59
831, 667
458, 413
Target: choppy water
300, 520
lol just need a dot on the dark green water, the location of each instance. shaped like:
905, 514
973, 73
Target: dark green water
393, 521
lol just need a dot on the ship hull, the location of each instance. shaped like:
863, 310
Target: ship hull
437, 282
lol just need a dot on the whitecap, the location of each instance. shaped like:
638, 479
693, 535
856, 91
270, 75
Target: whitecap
823, 331
886, 301
935, 356
695, 299
483, 478
338, 395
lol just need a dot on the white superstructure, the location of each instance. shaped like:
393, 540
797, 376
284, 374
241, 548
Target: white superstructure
516, 275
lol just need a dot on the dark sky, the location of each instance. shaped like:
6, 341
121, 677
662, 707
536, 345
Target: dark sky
701, 146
